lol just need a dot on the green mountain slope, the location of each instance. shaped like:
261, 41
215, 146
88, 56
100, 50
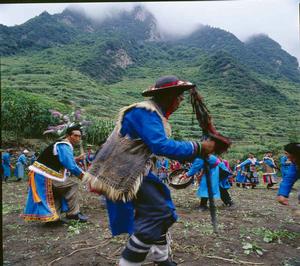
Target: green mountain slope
104, 66
259, 54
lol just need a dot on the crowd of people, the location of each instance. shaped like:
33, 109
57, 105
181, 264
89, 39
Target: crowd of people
131, 170
14, 164
246, 172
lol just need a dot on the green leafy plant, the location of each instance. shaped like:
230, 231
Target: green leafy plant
252, 247
98, 132
269, 235
75, 228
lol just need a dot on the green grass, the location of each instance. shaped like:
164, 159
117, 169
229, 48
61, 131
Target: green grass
255, 122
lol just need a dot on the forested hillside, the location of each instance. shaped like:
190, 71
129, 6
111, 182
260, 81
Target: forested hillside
252, 89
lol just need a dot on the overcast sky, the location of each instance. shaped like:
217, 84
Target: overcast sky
279, 19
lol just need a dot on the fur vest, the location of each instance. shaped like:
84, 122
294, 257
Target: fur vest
120, 164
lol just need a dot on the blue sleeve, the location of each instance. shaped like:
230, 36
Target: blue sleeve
6, 158
212, 160
288, 181
196, 167
23, 159
198, 164
244, 163
147, 125
269, 163
66, 158
282, 160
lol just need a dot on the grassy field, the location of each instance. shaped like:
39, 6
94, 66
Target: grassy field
255, 121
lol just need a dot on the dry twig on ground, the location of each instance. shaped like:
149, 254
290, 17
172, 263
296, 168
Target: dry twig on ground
77, 250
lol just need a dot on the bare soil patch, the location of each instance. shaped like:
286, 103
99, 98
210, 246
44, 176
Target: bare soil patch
256, 225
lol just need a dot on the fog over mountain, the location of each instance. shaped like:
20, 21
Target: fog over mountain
104, 62
276, 18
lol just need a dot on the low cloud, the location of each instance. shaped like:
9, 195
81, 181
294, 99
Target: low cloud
277, 18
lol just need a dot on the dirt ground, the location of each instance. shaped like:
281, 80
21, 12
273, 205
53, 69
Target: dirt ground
256, 225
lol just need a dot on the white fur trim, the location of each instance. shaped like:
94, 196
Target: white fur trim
41, 172
61, 142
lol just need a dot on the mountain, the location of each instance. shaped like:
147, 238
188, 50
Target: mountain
38, 33
251, 88
137, 25
121, 38
281, 63
260, 53
47, 30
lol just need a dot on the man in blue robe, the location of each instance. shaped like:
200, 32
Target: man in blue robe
51, 191
145, 124
20, 166
6, 164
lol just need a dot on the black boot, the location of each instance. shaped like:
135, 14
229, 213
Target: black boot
77, 217
203, 204
203, 208
229, 203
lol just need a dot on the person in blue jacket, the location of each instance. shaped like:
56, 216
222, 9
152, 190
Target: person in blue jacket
22, 162
240, 177
152, 212
33, 157
51, 190
6, 164
162, 165
292, 174
219, 182
251, 174
285, 163
89, 157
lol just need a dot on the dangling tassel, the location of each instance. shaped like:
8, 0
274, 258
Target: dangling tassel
205, 122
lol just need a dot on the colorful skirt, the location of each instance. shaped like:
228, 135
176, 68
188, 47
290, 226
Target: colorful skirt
40, 204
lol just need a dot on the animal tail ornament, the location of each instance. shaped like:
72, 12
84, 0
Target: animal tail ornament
205, 122
222, 145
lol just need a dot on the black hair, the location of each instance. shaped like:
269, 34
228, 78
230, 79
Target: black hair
293, 148
72, 128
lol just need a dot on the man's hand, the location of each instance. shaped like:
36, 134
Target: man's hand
81, 175
283, 200
183, 176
